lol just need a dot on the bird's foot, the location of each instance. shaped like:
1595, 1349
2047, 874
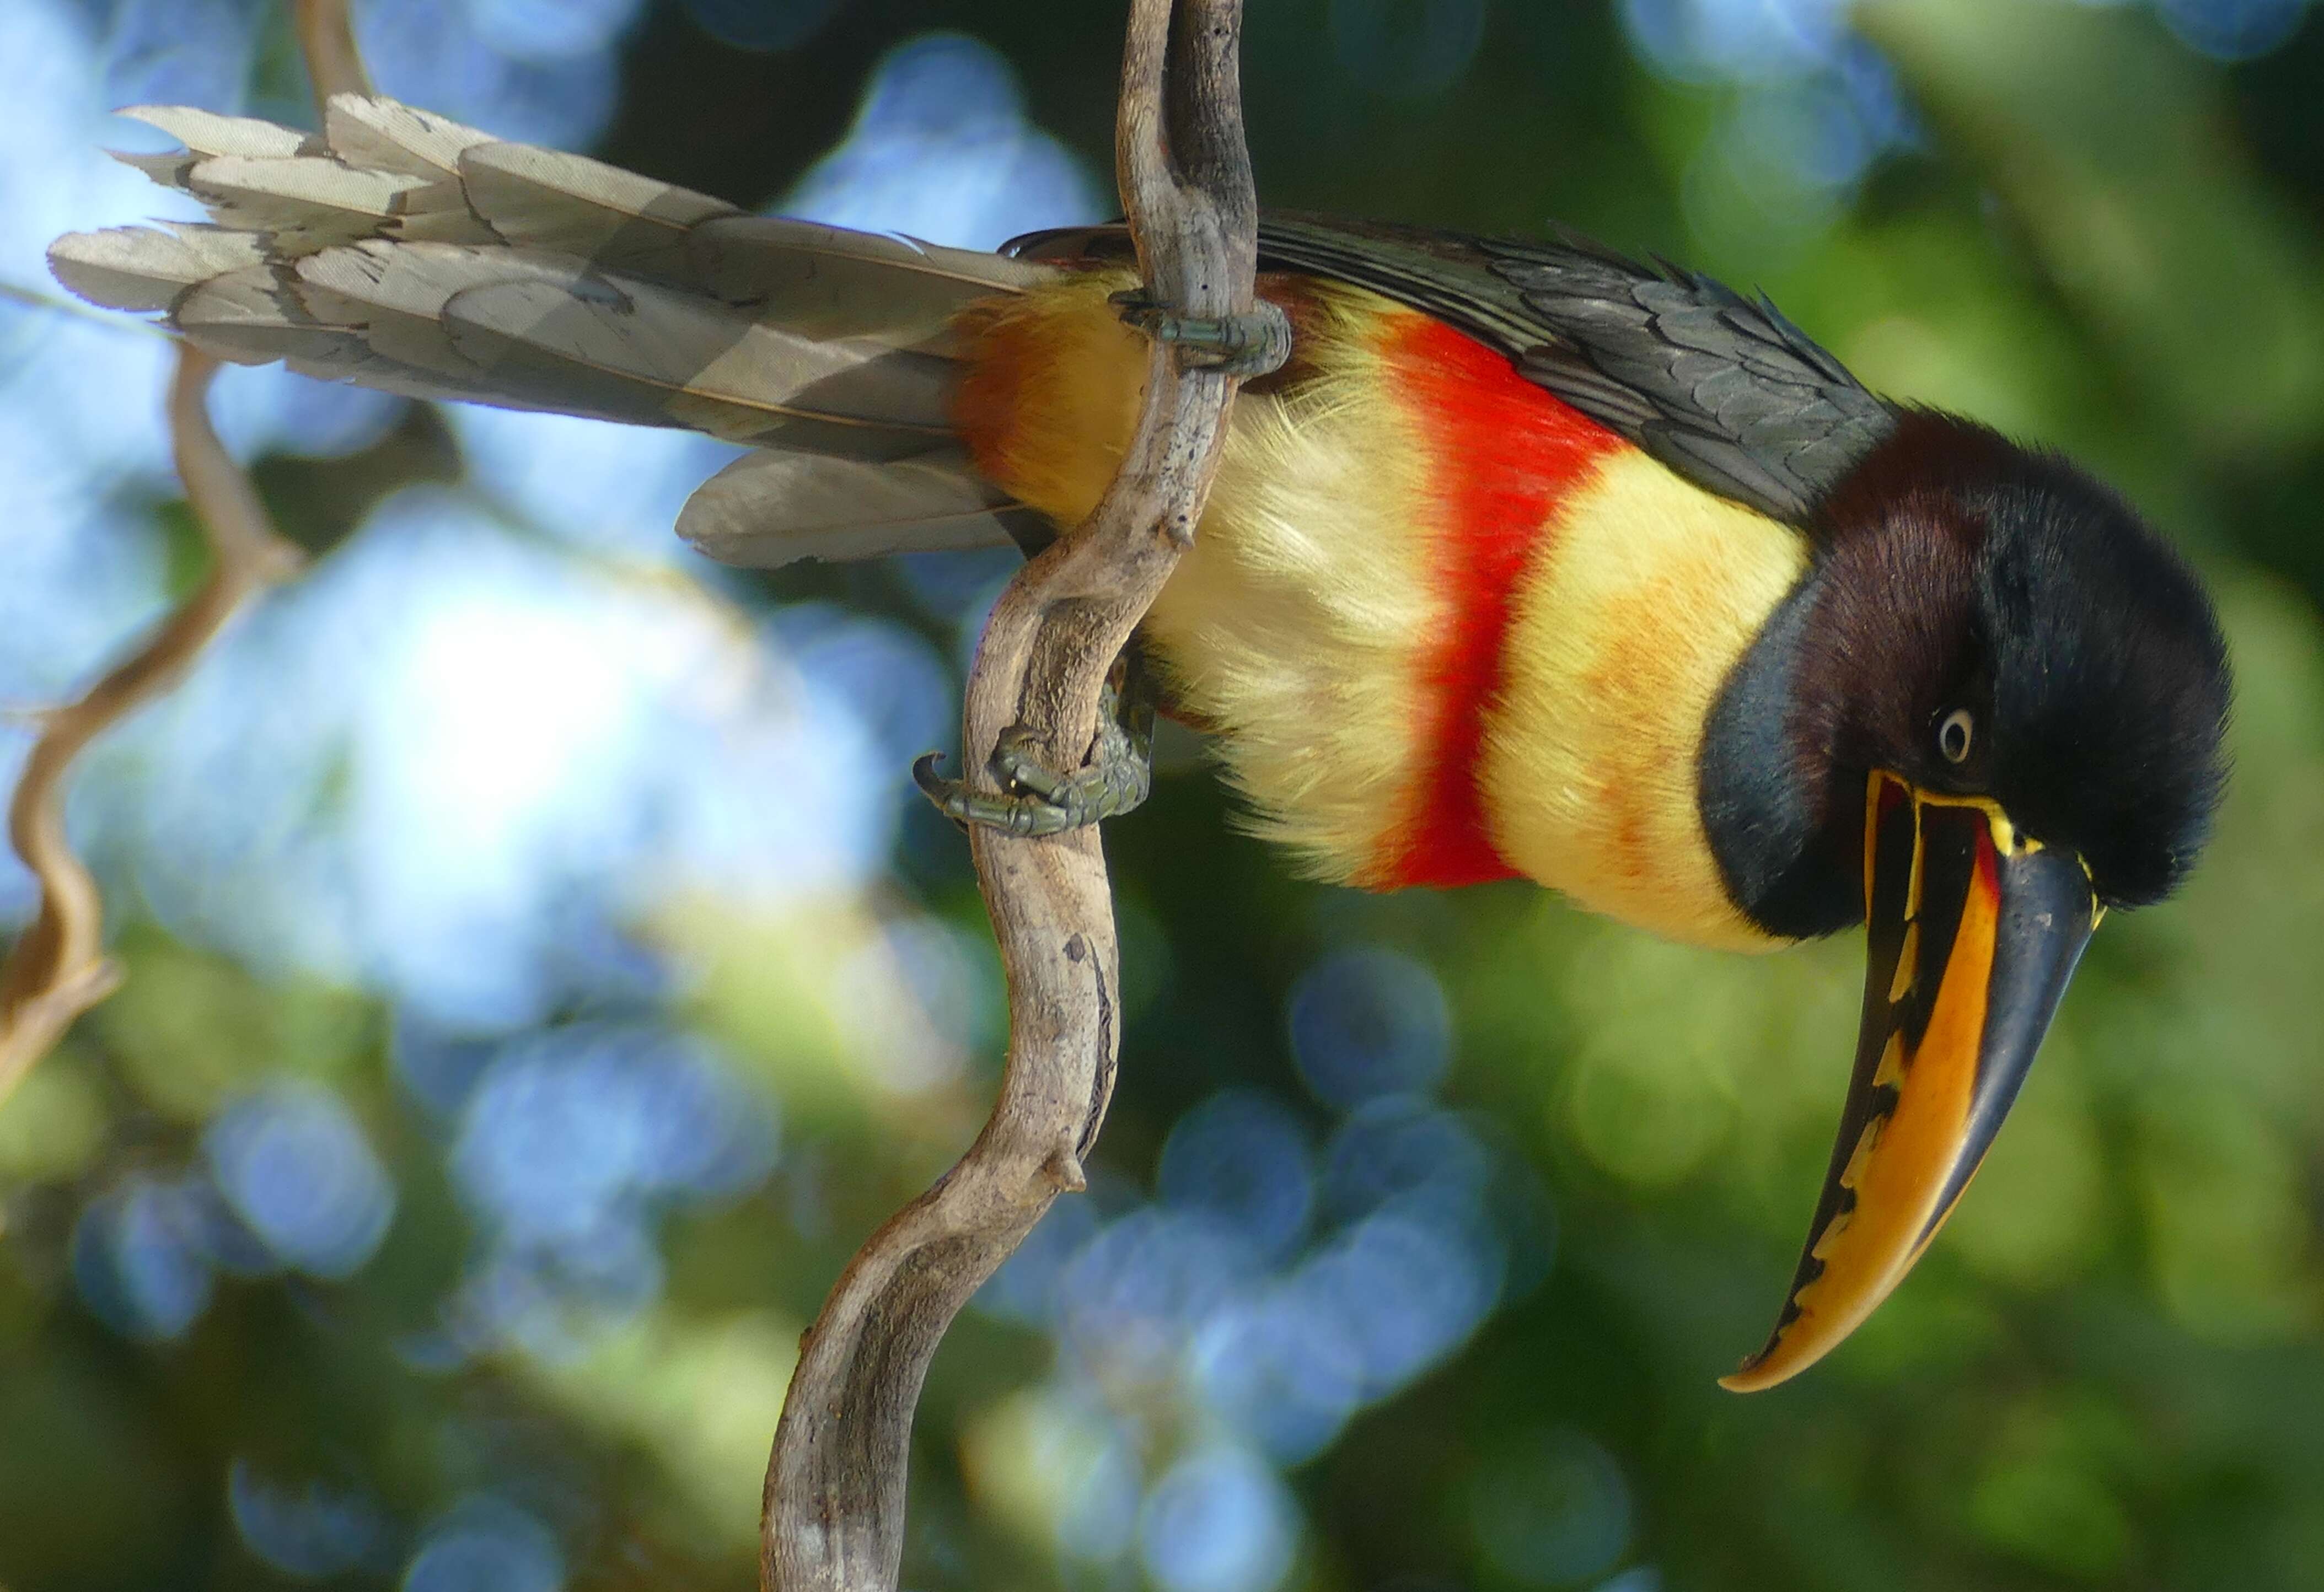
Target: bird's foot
1035, 799
1241, 345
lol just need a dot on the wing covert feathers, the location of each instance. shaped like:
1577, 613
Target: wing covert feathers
1722, 390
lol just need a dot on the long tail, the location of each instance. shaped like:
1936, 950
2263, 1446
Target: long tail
405, 252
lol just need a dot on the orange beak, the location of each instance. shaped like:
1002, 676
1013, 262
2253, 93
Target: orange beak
1973, 931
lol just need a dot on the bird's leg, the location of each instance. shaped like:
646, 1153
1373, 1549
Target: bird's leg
1035, 799
1245, 345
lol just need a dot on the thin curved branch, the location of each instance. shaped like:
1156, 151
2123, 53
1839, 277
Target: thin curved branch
326, 38
58, 968
834, 1499
60, 304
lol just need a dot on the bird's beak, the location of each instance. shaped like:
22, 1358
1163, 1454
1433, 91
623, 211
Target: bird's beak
1973, 931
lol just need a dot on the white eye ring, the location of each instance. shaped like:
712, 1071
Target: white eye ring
1954, 734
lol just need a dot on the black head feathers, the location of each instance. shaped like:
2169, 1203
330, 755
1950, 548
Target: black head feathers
1982, 619
2072, 650
2110, 679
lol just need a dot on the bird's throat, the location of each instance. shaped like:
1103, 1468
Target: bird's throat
1784, 845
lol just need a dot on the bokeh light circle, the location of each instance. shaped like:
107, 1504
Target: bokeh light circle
1366, 1022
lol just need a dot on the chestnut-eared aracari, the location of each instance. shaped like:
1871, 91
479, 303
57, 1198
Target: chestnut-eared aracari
1530, 560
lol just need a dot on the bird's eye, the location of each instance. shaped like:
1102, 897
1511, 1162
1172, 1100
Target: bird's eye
1954, 734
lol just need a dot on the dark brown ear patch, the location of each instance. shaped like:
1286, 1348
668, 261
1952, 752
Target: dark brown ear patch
1894, 632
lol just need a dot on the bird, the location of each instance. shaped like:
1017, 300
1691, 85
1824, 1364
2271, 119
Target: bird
1531, 560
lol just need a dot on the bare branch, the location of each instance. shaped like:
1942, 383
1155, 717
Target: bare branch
58, 968
834, 1502
326, 38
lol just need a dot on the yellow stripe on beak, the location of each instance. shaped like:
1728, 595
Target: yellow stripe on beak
1972, 932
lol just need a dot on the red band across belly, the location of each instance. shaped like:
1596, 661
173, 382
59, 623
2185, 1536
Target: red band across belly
1503, 455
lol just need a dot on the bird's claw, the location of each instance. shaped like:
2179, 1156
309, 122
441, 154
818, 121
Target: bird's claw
1008, 812
1035, 799
1242, 345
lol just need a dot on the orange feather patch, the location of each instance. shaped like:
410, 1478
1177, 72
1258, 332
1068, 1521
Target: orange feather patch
1503, 455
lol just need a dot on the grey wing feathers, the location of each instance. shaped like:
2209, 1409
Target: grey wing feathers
406, 252
1724, 390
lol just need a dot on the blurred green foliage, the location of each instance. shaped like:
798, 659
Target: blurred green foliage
2110, 1371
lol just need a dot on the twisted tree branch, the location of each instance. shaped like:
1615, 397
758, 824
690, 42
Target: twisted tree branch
834, 1497
58, 969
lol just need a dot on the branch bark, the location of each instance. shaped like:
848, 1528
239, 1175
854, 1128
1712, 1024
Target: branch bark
326, 38
834, 1497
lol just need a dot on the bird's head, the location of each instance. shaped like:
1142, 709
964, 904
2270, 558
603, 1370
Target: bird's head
1991, 711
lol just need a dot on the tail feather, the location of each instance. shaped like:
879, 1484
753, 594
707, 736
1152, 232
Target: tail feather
824, 282
543, 198
745, 382
207, 135
773, 507
303, 203
386, 136
247, 317
406, 252
395, 295
139, 268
